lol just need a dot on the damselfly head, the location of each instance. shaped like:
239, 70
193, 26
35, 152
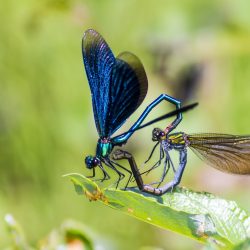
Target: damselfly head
91, 161
158, 134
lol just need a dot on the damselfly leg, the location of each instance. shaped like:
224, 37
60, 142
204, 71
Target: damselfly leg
165, 171
120, 155
105, 174
152, 152
166, 168
157, 164
129, 172
120, 174
93, 174
150, 156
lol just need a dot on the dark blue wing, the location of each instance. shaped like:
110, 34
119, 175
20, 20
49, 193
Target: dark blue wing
118, 86
129, 88
98, 61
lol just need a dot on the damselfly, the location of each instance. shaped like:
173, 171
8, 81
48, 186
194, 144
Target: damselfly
118, 87
228, 153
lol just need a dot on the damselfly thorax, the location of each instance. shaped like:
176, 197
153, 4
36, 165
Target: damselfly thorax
104, 147
171, 141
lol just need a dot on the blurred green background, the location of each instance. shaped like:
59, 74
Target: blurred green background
46, 120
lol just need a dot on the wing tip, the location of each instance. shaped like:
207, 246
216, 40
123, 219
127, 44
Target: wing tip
89, 34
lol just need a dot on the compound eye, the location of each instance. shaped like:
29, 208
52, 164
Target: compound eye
89, 162
162, 134
95, 162
154, 131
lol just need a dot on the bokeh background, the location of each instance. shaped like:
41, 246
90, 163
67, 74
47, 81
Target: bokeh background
193, 50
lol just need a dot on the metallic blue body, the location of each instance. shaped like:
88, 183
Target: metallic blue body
103, 148
118, 86
123, 138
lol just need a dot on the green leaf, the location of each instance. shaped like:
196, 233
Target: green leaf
200, 216
71, 235
243, 246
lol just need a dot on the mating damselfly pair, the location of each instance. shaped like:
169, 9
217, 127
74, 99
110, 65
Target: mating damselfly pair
118, 86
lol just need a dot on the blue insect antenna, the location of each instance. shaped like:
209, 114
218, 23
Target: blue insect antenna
118, 85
